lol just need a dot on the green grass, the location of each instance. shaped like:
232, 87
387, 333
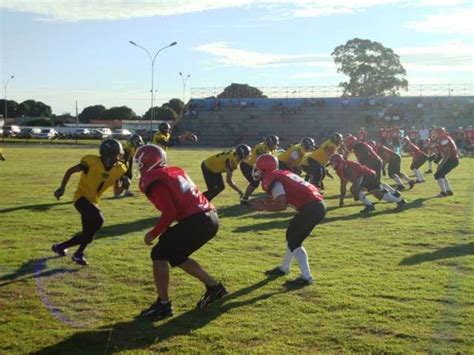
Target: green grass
388, 283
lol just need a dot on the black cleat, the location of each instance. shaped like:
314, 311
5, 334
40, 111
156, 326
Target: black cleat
429, 171
401, 204
400, 187
411, 183
368, 208
244, 202
56, 249
300, 281
442, 194
158, 310
449, 193
213, 293
276, 272
79, 259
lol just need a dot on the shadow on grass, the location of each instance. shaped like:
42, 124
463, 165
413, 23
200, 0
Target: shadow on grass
280, 224
142, 333
29, 269
234, 211
127, 227
35, 208
443, 253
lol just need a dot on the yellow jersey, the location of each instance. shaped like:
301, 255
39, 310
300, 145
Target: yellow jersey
95, 179
129, 151
162, 139
296, 151
259, 149
217, 163
324, 152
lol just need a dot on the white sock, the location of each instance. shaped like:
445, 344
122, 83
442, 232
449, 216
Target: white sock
406, 178
396, 178
364, 199
441, 184
302, 258
390, 198
417, 174
430, 164
421, 175
287, 259
387, 187
446, 184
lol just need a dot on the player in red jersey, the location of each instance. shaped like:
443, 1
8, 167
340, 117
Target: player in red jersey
459, 139
469, 139
362, 179
362, 135
172, 192
413, 134
383, 136
447, 150
288, 189
418, 158
393, 160
395, 138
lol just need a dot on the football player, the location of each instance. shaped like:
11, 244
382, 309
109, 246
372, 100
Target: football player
291, 158
314, 164
129, 149
469, 139
288, 189
164, 139
173, 193
98, 173
418, 158
2, 157
362, 179
362, 135
448, 152
393, 160
269, 145
225, 162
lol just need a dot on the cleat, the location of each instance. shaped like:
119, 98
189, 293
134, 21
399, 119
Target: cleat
56, 249
276, 272
368, 208
449, 193
300, 281
401, 204
129, 193
79, 259
244, 202
400, 187
429, 171
442, 194
117, 196
419, 181
212, 293
411, 183
158, 310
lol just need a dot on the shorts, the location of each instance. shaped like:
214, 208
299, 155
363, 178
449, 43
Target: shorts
303, 223
446, 167
213, 180
178, 242
394, 165
370, 182
418, 162
317, 171
247, 170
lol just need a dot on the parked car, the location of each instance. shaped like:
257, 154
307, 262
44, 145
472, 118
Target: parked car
28, 132
121, 134
81, 133
11, 131
45, 133
97, 134
106, 133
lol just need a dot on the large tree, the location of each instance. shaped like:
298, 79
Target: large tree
240, 91
163, 113
373, 69
118, 113
32, 108
12, 108
91, 113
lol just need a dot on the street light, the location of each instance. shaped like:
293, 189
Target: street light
184, 78
152, 60
5, 86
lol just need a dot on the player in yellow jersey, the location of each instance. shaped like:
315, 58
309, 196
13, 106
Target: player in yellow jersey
291, 158
129, 149
268, 146
98, 173
225, 162
2, 157
164, 139
315, 164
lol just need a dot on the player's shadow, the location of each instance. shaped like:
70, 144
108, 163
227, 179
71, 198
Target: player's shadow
443, 253
35, 208
234, 211
119, 229
140, 334
31, 269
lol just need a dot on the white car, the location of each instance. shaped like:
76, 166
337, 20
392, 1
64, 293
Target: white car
45, 133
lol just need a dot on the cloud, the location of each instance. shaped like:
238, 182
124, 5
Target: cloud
111, 10
458, 22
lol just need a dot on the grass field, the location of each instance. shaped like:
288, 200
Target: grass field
387, 283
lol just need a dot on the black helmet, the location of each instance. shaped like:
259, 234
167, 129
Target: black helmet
243, 151
136, 140
272, 141
308, 144
164, 127
336, 138
110, 149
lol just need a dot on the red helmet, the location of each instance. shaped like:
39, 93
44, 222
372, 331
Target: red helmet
336, 159
349, 141
266, 163
149, 156
438, 132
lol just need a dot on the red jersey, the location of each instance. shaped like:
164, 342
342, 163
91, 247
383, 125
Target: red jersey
298, 192
469, 133
174, 194
382, 133
352, 171
459, 134
413, 135
447, 148
365, 153
395, 133
384, 152
362, 136
413, 150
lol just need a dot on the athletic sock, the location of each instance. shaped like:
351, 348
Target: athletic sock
364, 199
390, 198
302, 258
387, 187
406, 178
446, 184
287, 259
441, 184
397, 179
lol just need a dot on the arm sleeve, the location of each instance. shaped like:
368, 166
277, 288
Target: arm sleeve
161, 198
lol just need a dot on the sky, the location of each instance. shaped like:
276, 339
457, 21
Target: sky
63, 51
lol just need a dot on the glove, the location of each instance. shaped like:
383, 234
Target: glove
59, 192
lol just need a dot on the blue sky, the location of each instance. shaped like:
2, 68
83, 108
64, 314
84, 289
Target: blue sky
61, 51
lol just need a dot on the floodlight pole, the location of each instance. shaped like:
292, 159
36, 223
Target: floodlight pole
5, 85
184, 79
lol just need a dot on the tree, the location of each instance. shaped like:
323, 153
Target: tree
12, 108
240, 91
162, 113
91, 113
118, 113
373, 69
176, 105
32, 108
